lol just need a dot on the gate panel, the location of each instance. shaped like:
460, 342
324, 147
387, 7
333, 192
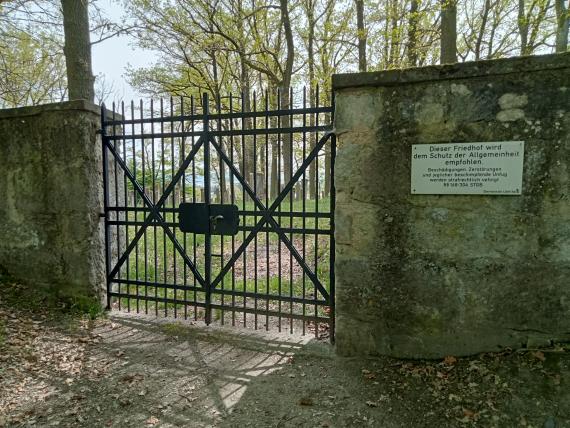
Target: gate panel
273, 166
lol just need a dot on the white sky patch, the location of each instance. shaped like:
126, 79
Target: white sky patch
113, 56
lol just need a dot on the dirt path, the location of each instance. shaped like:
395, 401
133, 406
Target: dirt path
128, 371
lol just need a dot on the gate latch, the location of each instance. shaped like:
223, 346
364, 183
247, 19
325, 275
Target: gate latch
213, 219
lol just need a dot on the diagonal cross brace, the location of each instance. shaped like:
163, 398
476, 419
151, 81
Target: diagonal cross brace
268, 217
154, 215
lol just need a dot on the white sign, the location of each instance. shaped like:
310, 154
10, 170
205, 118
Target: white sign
468, 168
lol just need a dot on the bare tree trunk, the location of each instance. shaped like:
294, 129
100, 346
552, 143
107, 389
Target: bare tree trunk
248, 154
311, 64
484, 19
413, 33
287, 147
448, 31
523, 27
77, 50
273, 172
361, 31
261, 176
245, 81
563, 24
394, 52
285, 97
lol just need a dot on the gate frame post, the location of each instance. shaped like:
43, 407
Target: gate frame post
105, 214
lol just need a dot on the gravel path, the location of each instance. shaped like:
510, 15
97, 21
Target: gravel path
132, 371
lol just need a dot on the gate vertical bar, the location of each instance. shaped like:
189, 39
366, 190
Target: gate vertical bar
222, 180
208, 236
116, 199
106, 203
332, 240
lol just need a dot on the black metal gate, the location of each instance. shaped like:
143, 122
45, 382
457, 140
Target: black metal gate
224, 215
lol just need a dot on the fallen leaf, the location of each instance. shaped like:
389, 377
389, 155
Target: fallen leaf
539, 356
450, 360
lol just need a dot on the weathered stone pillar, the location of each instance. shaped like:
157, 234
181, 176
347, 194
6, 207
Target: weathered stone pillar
51, 198
434, 275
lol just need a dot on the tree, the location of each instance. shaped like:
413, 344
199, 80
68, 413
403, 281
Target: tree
481, 32
31, 73
488, 29
563, 24
361, 34
309, 7
448, 31
105, 91
413, 33
531, 17
401, 33
264, 46
33, 69
77, 50
284, 86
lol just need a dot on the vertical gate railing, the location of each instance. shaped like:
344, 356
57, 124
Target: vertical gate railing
223, 216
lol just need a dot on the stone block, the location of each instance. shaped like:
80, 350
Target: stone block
51, 235
424, 276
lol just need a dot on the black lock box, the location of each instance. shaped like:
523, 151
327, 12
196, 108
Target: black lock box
213, 219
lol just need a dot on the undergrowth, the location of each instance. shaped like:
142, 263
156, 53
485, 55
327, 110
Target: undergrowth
34, 298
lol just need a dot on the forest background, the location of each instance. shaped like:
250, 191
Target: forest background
238, 46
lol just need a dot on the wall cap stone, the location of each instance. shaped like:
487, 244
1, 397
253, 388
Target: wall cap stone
80, 105
495, 67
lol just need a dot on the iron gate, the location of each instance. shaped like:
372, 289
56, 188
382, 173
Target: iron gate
225, 215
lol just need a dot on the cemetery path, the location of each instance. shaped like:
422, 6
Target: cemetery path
131, 371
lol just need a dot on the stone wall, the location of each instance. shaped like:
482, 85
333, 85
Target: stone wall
51, 199
435, 275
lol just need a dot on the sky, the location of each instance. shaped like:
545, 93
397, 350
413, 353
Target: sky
112, 57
